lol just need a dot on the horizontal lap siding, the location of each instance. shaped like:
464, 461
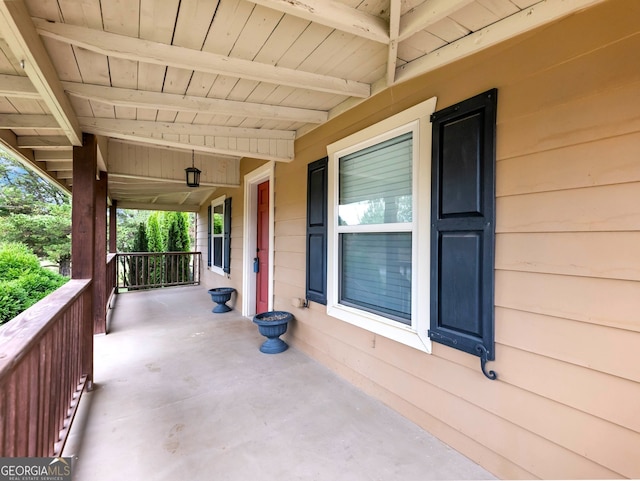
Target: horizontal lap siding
567, 316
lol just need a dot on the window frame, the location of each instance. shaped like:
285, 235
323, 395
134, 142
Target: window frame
417, 120
215, 203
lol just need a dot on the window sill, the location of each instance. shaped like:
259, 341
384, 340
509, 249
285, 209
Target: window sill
217, 270
381, 326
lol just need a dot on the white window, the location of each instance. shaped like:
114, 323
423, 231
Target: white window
378, 232
217, 235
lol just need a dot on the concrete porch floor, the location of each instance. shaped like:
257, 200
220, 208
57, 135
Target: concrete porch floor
184, 394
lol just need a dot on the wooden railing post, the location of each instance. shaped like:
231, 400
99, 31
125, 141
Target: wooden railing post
113, 226
83, 235
100, 255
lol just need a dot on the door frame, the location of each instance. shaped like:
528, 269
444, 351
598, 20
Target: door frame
251, 181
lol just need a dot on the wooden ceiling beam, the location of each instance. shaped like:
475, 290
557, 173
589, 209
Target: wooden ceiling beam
123, 204
17, 86
49, 155
28, 121
187, 103
428, 13
394, 32
45, 142
233, 141
148, 127
177, 184
60, 165
25, 43
334, 15
139, 50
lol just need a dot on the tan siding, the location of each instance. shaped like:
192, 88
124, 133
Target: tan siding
612, 255
585, 120
608, 397
566, 403
603, 208
599, 301
605, 349
607, 161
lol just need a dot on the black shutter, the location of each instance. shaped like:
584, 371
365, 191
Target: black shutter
463, 226
226, 259
209, 227
317, 231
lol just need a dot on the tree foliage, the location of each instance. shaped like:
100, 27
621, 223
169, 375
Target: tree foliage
140, 241
154, 234
177, 225
35, 213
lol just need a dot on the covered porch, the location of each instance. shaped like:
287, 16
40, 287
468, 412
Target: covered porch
181, 393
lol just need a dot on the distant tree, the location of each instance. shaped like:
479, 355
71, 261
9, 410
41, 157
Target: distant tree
177, 228
34, 212
139, 266
154, 235
140, 241
128, 222
25, 192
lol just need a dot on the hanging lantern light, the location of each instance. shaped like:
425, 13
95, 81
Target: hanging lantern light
192, 173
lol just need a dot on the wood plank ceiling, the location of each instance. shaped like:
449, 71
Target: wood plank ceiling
165, 83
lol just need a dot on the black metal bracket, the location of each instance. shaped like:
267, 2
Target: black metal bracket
482, 351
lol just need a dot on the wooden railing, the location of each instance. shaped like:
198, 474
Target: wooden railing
112, 274
112, 279
149, 270
46, 360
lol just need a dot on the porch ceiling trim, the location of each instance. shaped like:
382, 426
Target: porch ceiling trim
519, 23
187, 103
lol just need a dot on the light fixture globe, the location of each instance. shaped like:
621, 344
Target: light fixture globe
192, 173
193, 176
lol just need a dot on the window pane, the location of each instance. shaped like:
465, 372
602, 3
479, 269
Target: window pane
375, 183
376, 273
218, 219
217, 251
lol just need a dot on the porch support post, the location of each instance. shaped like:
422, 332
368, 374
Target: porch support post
85, 161
113, 226
100, 258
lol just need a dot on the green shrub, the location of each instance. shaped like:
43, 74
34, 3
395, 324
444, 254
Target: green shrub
40, 283
22, 281
16, 260
13, 300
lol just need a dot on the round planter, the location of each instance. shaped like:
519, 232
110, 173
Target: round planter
272, 325
220, 295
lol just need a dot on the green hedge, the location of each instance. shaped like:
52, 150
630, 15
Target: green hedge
22, 281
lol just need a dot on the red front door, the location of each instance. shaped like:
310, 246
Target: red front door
262, 276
